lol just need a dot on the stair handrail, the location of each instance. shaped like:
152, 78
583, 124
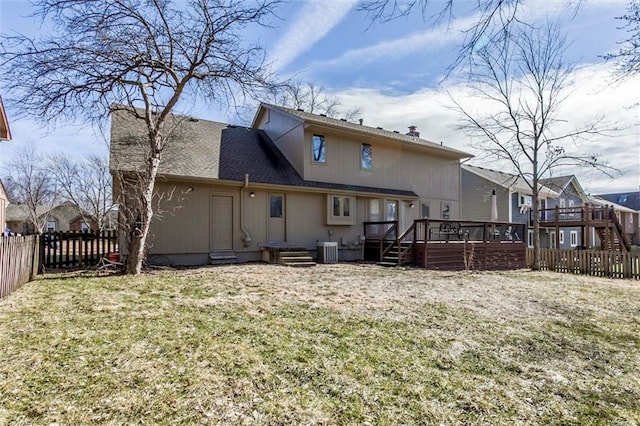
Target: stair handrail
618, 227
384, 249
402, 251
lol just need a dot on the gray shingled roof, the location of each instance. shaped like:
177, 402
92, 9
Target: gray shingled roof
507, 180
366, 130
628, 199
209, 150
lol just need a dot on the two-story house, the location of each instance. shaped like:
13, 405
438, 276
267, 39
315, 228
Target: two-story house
291, 179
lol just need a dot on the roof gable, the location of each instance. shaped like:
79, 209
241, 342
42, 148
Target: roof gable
561, 183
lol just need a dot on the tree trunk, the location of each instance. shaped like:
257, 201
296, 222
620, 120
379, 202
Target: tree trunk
144, 214
536, 222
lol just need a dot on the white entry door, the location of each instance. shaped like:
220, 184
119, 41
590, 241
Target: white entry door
221, 222
277, 218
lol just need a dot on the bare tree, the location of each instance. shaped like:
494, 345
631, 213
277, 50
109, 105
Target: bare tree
86, 183
29, 184
492, 23
523, 81
312, 98
628, 56
142, 57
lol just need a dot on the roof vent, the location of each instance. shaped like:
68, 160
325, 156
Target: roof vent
395, 131
379, 128
323, 115
413, 132
300, 109
343, 119
194, 120
361, 121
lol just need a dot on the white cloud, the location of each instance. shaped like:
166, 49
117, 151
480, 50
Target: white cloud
593, 94
313, 22
430, 40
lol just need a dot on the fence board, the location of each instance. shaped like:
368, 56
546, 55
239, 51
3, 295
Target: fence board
612, 264
74, 249
18, 262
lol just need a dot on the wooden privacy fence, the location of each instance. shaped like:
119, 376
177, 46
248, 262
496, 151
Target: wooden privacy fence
59, 250
612, 264
18, 262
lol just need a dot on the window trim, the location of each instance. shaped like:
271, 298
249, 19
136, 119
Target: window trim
323, 138
561, 236
341, 219
530, 238
552, 240
573, 238
362, 148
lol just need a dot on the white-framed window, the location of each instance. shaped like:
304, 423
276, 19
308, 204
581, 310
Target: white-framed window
341, 209
51, 226
366, 157
318, 149
84, 227
425, 213
570, 203
530, 238
562, 202
552, 239
561, 237
573, 237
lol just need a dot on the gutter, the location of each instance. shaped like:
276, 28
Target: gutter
245, 234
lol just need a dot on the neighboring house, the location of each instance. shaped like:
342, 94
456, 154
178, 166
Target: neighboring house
513, 196
63, 217
570, 200
5, 132
292, 179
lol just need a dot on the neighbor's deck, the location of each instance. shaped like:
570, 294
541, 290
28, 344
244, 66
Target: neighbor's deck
447, 245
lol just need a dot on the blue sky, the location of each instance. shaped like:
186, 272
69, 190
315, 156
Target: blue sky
393, 72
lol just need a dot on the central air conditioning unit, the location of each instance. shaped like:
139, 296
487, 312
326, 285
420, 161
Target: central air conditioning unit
327, 252
524, 200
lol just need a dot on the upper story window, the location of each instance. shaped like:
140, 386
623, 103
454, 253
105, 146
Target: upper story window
318, 149
366, 159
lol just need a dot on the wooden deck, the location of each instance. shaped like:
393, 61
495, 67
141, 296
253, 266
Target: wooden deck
601, 220
447, 245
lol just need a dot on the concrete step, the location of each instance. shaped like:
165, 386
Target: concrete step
296, 258
299, 264
223, 257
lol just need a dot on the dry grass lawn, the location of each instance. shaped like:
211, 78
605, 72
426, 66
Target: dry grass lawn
335, 344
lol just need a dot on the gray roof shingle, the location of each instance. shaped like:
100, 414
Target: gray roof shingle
210, 150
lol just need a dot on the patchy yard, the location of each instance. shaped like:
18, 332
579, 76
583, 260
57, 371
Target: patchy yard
335, 344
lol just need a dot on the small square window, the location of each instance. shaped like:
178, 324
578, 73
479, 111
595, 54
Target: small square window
530, 238
340, 209
366, 160
318, 149
561, 237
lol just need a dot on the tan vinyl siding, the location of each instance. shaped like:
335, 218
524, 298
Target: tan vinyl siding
182, 224
395, 166
287, 133
476, 198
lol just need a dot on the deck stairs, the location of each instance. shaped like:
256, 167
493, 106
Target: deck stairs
612, 236
399, 254
222, 257
296, 258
